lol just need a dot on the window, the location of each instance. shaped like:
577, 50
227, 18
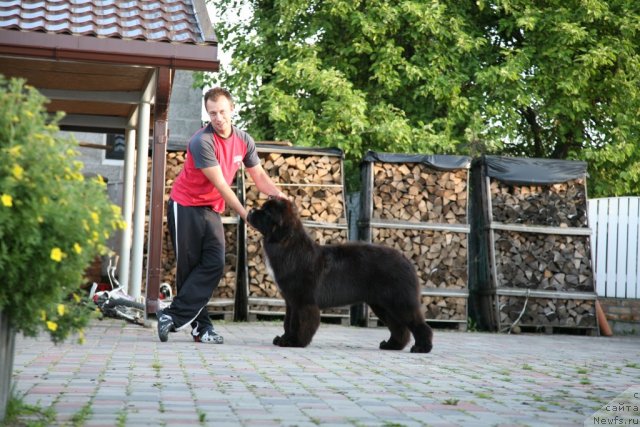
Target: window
115, 146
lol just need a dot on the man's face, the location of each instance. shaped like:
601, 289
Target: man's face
220, 111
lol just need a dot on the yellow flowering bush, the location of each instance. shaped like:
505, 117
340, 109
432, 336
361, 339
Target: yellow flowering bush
53, 220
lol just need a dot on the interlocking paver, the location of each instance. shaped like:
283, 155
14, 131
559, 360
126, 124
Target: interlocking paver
127, 377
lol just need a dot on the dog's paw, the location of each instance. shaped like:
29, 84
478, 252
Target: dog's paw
420, 349
285, 341
389, 345
276, 340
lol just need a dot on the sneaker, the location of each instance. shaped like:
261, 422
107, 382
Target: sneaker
165, 325
208, 335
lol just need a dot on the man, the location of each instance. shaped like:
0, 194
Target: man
198, 197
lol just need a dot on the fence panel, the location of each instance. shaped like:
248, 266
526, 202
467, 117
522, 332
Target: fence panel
615, 224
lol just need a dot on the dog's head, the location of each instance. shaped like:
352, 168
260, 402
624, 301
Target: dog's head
276, 219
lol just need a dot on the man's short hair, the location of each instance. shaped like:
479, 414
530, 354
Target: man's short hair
215, 93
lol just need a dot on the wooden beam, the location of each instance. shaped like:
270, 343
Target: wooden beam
116, 97
159, 161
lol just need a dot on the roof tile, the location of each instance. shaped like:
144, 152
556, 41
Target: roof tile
151, 20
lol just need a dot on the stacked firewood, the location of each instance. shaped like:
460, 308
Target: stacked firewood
418, 193
444, 308
555, 261
290, 168
547, 312
312, 203
556, 205
440, 257
543, 261
313, 182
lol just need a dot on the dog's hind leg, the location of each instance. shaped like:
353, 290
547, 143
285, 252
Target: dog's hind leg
422, 334
399, 333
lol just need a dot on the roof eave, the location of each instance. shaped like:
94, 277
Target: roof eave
203, 57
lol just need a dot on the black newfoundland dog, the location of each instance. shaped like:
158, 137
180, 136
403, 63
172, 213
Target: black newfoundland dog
312, 277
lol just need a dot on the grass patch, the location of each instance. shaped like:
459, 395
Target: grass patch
452, 402
202, 416
80, 418
121, 421
19, 413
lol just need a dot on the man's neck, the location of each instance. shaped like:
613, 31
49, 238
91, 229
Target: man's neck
223, 136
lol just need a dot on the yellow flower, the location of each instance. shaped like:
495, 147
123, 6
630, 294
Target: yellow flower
17, 171
40, 219
76, 298
15, 150
61, 309
43, 315
77, 248
29, 114
85, 224
7, 200
116, 210
52, 326
81, 336
95, 217
56, 254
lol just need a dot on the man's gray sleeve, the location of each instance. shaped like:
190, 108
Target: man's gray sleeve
202, 152
251, 159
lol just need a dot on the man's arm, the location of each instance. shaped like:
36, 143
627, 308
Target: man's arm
263, 182
214, 174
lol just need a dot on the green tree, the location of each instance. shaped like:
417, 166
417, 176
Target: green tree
53, 220
556, 79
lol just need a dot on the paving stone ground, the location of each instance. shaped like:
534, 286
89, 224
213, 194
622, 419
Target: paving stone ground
123, 376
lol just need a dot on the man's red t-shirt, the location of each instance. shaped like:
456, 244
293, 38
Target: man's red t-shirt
207, 149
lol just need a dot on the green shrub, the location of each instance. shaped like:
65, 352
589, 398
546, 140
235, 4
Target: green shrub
53, 221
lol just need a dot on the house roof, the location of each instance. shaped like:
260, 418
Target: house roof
95, 59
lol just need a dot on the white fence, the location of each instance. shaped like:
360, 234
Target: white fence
615, 246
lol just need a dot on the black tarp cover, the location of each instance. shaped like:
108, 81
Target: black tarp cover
436, 161
518, 170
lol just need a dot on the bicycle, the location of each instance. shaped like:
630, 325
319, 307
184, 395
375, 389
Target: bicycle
118, 304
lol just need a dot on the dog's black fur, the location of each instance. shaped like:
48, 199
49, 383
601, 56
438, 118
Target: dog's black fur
312, 277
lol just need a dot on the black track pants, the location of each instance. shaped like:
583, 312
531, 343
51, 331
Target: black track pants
197, 235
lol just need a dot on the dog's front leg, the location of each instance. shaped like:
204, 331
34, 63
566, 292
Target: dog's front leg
287, 326
303, 324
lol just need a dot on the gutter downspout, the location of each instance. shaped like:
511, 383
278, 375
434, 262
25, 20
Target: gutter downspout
139, 211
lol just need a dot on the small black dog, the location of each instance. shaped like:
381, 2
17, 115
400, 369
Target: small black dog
312, 277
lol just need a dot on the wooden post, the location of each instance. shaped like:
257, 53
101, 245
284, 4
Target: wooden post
160, 137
